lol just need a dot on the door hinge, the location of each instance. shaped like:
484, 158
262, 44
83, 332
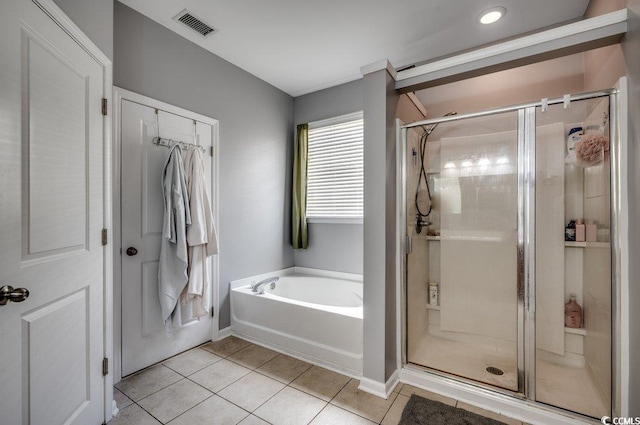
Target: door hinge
104, 106
105, 237
211, 150
105, 366
212, 312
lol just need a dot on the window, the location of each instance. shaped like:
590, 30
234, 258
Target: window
336, 170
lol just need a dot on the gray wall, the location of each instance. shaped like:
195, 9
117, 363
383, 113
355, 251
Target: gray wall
255, 139
631, 47
379, 333
95, 19
335, 247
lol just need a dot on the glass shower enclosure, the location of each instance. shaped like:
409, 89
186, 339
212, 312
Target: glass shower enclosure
507, 218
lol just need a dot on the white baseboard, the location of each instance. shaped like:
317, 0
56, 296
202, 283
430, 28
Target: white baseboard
380, 389
223, 333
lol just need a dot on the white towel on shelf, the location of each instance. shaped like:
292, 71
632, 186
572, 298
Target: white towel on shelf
172, 266
201, 235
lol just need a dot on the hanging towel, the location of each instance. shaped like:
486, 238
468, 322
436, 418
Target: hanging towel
172, 266
202, 240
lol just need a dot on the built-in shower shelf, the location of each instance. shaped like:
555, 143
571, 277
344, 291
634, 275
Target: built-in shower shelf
433, 307
604, 245
576, 331
433, 238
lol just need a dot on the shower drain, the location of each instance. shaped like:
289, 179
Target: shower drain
494, 370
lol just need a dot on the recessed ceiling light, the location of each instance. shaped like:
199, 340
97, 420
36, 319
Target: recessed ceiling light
490, 16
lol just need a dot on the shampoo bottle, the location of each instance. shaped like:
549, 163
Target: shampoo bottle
572, 313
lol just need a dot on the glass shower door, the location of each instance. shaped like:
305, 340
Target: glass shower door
462, 200
573, 257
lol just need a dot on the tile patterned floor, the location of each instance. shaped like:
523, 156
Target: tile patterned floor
233, 381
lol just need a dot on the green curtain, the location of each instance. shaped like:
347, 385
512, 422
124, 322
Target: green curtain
299, 234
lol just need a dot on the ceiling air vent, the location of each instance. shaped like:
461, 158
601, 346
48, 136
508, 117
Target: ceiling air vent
186, 18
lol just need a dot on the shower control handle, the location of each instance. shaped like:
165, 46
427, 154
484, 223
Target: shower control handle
131, 251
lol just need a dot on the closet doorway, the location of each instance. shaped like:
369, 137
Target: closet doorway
139, 163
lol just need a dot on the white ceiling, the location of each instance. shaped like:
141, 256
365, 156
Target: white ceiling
302, 46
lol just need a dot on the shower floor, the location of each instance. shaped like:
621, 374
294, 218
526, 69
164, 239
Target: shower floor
468, 360
571, 388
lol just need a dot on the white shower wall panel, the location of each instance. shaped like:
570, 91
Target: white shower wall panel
478, 236
549, 240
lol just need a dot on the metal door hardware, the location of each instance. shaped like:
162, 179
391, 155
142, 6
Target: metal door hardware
8, 293
131, 251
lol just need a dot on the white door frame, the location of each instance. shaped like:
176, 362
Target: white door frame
120, 94
60, 18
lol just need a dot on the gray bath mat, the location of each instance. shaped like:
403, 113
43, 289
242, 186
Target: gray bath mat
420, 411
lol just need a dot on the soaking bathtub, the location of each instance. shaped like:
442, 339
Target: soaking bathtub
311, 314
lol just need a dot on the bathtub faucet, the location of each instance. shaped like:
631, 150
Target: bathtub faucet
259, 287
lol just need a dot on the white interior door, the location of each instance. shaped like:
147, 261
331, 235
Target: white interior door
144, 340
51, 219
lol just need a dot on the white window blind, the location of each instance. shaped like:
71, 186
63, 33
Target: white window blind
336, 168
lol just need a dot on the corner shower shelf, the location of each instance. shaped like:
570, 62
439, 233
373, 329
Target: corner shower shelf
433, 307
576, 331
433, 238
587, 245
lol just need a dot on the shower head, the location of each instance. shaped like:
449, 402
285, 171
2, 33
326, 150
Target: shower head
433, 127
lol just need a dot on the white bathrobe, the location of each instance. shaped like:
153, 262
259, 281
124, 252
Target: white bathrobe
201, 235
172, 267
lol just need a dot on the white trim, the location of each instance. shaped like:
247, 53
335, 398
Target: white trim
108, 251
353, 116
570, 35
63, 21
379, 66
74, 31
378, 388
167, 107
120, 94
519, 43
116, 363
223, 333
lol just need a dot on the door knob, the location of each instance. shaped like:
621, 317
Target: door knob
131, 251
7, 293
